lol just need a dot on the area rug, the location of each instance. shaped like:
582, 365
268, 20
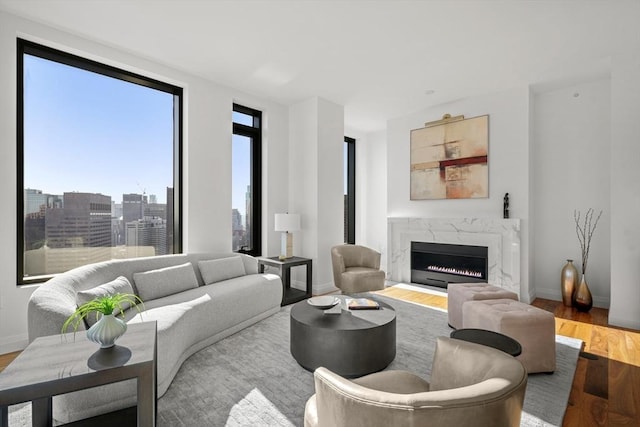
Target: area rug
251, 379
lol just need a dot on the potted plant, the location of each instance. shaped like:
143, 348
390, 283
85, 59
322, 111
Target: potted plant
108, 328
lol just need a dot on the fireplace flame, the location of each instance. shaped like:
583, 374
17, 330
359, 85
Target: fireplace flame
451, 270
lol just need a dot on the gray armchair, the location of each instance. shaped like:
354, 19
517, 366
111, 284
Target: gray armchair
471, 385
356, 269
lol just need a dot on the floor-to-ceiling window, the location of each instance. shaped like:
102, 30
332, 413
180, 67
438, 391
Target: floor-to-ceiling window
349, 190
99, 163
246, 202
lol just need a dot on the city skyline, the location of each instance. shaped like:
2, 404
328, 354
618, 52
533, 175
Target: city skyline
102, 194
63, 232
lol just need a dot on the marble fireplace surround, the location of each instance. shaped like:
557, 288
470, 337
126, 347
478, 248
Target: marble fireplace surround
500, 236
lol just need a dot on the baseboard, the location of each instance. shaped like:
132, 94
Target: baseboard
551, 294
298, 284
624, 323
556, 295
13, 343
325, 288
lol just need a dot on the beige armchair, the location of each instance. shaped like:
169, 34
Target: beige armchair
471, 385
356, 269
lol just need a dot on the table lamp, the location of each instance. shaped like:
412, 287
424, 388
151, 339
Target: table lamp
286, 223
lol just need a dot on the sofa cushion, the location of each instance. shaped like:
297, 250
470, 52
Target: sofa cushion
165, 281
120, 285
217, 270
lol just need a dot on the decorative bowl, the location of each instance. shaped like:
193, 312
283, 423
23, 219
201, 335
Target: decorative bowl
323, 302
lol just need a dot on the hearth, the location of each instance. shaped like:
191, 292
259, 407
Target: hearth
438, 264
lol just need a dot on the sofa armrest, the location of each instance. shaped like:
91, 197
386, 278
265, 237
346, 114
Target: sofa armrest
49, 307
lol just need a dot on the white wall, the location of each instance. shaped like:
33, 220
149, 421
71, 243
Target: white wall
371, 179
508, 165
625, 192
571, 151
316, 176
330, 187
303, 176
207, 158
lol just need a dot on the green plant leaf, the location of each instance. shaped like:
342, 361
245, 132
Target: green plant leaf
104, 305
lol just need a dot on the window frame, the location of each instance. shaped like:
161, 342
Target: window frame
26, 47
253, 132
351, 190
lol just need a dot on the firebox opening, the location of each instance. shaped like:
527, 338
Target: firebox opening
438, 264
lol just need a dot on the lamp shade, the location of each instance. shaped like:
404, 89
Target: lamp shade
287, 222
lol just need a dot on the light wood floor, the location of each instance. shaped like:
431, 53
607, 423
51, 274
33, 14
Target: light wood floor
606, 386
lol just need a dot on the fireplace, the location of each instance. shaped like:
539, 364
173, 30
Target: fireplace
500, 236
438, 264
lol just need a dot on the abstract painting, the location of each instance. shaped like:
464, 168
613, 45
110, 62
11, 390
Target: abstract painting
449, 160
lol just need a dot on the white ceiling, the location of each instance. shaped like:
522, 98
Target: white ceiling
377, 58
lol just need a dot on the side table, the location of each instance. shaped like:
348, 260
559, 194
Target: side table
490, 339
59, 364
289, 294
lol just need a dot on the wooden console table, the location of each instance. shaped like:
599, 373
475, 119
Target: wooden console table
289, 294
60, 364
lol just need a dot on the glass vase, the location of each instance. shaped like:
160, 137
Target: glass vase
568, 282
582, 299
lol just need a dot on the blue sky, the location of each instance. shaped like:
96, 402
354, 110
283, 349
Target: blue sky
89, 133
241, 172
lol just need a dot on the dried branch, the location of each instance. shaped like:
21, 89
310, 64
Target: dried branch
585, 230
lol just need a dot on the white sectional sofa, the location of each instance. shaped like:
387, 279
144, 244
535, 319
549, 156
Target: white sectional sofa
191, 312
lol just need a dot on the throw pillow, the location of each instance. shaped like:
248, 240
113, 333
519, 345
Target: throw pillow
121, 285
217, 270
159, 283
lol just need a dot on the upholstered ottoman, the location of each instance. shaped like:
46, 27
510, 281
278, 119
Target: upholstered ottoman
459, 293
532, 327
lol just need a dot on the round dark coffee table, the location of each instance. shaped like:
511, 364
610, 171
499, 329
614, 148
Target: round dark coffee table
351, 344
490, 339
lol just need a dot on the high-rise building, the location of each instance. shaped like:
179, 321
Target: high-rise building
155, 210
133, 207
238, 235
247, 218
157, 234
34, 236
82, 227
147, 232
35, 201
35, 204
170, 219
236, 220
117, 225
116, 210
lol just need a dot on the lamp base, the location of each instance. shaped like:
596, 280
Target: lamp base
286, 246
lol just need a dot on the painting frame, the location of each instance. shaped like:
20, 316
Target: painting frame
449, 159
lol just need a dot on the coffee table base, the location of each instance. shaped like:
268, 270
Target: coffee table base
343, 343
